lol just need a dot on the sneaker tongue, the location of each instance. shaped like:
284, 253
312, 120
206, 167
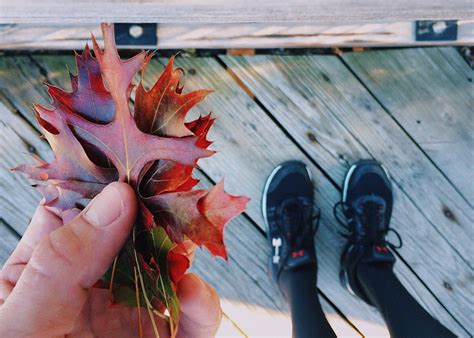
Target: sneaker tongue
293, 214
295, 218
370, 212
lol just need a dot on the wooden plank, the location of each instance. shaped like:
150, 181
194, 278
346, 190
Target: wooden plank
18, 80
8, 241
370, 321
253, 301
15, 139
250, 146
429, 93
247, 35
330, 114
254, 296
190, 11
51, 69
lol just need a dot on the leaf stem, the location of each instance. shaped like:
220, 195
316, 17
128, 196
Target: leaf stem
112, 276
234, 324
149, 307
137, 295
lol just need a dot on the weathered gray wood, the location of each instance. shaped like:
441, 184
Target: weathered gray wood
251, 179
231, 11
51, 68
250, 145
336, 121
255, 152
8, 241
15, 139
253, 297
255, 302
248, 35
439, 117
222, 103
19, 79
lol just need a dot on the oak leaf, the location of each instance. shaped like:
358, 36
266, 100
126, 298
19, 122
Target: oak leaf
98, 137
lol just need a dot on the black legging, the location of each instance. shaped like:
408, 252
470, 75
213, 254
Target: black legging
402, 313
307, 316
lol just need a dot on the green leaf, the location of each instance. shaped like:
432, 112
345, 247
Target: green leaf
162, 245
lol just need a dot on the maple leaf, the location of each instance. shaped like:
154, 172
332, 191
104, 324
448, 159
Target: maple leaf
97, 137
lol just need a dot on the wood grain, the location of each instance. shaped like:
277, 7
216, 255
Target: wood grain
254, 296
438, 117
250, 145
256, 146
337, 122
250, 178
323, 11
238, 35
15, 140
8, 241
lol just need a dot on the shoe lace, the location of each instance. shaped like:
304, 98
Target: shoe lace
370, 214
295, 216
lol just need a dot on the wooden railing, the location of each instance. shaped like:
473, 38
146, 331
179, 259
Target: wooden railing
235, 24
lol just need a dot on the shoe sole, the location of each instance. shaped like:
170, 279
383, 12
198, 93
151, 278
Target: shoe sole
342, 273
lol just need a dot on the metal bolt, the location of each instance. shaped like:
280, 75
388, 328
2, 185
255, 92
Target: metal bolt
439, 27
135, 31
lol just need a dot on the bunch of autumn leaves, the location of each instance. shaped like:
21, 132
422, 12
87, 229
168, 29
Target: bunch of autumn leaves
98, 137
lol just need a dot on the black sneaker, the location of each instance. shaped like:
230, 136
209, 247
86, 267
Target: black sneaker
287, 206
367, 202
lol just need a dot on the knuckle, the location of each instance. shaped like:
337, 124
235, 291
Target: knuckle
12, 272
65, 244
5, 290
59, 248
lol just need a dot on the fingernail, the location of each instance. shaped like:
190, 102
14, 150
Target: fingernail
105, 208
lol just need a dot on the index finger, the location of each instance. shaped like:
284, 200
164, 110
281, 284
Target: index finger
42, 224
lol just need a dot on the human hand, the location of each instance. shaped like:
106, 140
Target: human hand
45, 286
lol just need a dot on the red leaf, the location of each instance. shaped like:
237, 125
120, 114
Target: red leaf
178, 265
200, 128
166, 176
199, 215
70, 159
89, 97
219, 207
97, 137
161, 111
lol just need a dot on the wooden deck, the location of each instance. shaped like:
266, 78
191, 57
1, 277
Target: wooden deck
408, 108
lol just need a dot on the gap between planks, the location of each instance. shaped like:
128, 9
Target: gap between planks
275, 319
287, 113
215, 78
438, 119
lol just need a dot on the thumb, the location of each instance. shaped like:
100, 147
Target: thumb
53, 288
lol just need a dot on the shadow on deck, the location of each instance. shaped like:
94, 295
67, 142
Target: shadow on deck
410, 109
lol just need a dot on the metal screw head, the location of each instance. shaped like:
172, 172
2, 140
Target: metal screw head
135, 31
439, 27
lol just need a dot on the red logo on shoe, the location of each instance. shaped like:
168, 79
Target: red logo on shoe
381, 248
298, 253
